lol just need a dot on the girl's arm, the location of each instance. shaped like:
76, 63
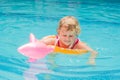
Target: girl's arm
48, 40
93, 52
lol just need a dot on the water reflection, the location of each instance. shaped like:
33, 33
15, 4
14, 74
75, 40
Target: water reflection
39, 67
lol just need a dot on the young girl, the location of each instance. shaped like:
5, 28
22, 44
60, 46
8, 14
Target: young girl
67, 37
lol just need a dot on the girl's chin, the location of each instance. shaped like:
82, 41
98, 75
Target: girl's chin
67, 44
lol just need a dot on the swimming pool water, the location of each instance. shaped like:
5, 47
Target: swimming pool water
100, 24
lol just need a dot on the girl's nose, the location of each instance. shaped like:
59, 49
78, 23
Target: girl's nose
67, 38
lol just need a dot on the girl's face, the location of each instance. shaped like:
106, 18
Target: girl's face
67, 37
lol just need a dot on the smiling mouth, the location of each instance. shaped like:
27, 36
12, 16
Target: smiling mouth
67, 42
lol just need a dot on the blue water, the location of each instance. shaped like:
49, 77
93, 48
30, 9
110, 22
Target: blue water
100, 24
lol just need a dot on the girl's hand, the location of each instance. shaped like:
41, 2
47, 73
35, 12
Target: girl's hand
92, 57
91, 62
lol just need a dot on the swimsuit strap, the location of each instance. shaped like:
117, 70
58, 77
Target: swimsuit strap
77, 40
57, 41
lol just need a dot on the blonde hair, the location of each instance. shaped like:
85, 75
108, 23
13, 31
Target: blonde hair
70, 23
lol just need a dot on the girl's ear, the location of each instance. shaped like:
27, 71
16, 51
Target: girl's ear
77, 36
58, 31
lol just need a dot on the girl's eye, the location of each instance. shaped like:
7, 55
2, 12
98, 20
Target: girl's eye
71, 36
64, 35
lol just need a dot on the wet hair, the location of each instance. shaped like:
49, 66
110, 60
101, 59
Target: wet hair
70, 23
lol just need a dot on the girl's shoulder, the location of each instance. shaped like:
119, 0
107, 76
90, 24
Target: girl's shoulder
80, 44
49, 36
50, 39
